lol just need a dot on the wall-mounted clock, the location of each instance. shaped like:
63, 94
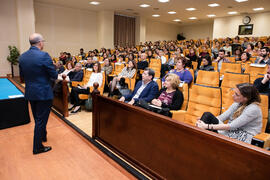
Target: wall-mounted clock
246, 20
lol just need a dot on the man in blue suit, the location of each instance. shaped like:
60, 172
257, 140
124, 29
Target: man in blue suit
147, 89
38, 71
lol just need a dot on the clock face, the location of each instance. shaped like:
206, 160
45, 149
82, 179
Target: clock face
246, 20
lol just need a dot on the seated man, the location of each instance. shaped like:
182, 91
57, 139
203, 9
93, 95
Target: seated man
147, 89
59, 67
264, 56
262, 84
142, 64
221, 58
76, 74
89, 63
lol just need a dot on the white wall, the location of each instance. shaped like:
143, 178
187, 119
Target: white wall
105, 29
9, 34
228, 26
161, 31
197, 31
66, 29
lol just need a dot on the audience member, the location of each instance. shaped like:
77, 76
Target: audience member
263, 58
59, 67
127, 72
221, 58
82, 54
96, 77
76, 74
244, 115
262, 84
146, 89
183, 74
107, 68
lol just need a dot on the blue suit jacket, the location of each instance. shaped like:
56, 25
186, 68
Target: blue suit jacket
148, 93
38, 71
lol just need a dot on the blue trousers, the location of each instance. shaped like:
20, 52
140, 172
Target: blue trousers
41, 111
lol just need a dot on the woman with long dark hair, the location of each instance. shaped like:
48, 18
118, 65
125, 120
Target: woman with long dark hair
96, 77
244, 115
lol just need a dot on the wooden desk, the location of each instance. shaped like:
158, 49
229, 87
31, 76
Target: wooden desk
165, 149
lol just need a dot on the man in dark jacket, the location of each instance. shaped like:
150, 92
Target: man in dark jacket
38, 71
147, 89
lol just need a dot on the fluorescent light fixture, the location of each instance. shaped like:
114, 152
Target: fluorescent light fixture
258, 9
94, 3
213, 5
190, 9
163, 1
232, 12
192, 18
155, 15
241, 0
171, 12
211, 15
177, 20
144, 5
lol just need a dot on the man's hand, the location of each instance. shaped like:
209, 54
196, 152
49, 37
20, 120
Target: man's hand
131, 102
266, 78
122, 99
260, 59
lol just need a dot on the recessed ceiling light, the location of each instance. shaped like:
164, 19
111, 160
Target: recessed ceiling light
258, 9
190, 9
163, 1
232, 12
144, 5
171, 12
94, 3
211, 15
155, 15
177, 20
213, 5
241, 0
192, 18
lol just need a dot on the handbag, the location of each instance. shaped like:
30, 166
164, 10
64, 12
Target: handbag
163, 111
89, 103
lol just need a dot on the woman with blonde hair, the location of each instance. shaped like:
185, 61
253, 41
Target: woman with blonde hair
244, 115
168, 98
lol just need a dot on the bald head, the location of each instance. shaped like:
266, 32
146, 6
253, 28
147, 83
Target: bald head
36, 39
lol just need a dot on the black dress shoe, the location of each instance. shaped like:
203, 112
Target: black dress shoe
71, 108
73, 112
42, 150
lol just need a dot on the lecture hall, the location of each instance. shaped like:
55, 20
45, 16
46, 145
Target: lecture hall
134, 89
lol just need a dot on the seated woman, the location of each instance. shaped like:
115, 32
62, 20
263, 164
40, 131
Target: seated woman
170, 96
69, 67
183, 74
244, 115
206, 64
127, 72
245, 59
107, 68
96, 77
191, 57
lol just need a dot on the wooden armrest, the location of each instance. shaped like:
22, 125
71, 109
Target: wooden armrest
261, 140
178, 115
76, 83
